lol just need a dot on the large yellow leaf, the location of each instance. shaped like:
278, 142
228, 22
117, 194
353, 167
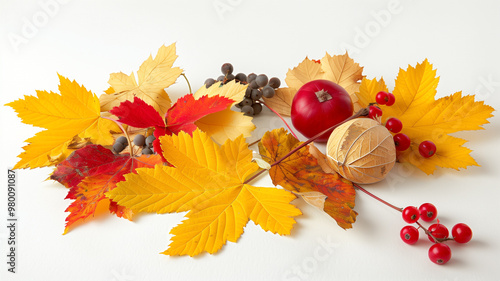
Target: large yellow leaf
73, 113
425, 118
154, 75
340, 69
209, 181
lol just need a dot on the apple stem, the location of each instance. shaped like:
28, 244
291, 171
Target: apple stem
323, 96
282, 119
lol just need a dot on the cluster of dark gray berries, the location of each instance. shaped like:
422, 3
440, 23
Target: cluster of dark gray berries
146, 143
258, 86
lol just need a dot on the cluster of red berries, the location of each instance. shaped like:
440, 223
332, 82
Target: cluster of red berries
439, 252
402, 141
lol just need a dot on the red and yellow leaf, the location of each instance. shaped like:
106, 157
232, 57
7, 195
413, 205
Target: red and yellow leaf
302, 173
92, 171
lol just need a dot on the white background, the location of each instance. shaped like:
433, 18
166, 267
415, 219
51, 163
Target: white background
88, 40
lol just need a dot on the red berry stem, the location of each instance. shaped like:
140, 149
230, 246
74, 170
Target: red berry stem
438, 240
282, 119
377, 198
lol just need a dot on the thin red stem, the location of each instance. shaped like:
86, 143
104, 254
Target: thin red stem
377, 198
362, 112
253, 143
438, 240
282, 119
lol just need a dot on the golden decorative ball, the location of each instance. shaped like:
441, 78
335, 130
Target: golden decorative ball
361, 150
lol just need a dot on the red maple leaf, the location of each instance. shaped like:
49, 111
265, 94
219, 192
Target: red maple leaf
180, 117
89, 173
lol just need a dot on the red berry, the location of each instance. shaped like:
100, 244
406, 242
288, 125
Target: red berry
402, 142
394, 125
411, 214
382, 97
391, 99
427, 149
375, 111
409, 234
439, 231
428, 212
461, 233
439, 253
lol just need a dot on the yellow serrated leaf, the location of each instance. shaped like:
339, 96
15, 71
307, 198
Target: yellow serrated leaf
282, 101
369, 89
415, 89
450, 114
306, 71
154, 75
208, 180
73, 113
226, 124
425, 118
231, 90
342, 70
449, 154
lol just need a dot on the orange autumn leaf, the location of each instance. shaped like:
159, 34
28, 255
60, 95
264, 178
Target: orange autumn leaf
302, 173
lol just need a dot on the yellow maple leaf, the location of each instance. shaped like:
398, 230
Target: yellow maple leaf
340, 69
306, 71
225, 124
368, 89
209, 181
154, 75
282, 101
72, 115
231, 90
425, 118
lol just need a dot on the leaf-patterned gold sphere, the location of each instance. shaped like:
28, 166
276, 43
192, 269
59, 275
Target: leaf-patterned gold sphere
361, 150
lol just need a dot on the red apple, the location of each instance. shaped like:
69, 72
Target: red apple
317, 106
